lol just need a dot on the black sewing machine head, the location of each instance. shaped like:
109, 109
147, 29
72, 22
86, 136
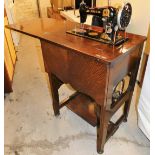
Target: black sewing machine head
114, 22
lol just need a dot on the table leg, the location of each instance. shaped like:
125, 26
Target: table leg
128, 102
127, 108
55, 84
102, 127
132, 83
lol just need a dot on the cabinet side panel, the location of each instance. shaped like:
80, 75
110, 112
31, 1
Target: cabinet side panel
55, 60
125, 65
84, 73
88, 75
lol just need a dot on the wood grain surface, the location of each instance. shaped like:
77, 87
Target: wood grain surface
54, 31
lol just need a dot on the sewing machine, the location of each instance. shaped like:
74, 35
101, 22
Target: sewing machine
112, 22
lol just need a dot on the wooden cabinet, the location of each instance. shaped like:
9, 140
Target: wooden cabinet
9, 58
92, 68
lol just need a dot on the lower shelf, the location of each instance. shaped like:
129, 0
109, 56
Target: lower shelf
83, 106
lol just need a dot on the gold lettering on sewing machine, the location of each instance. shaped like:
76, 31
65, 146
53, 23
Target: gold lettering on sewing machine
106, 13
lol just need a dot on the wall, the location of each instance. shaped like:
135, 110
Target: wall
140, 17
62, 3
25, 9
43, 6
101, 3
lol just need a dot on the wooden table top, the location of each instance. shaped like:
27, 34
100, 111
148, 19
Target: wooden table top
54, 31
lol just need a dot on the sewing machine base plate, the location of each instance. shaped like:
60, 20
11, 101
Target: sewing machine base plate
94, 35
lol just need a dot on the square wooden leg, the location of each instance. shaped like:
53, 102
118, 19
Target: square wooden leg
102, 127
126, 109
55, 84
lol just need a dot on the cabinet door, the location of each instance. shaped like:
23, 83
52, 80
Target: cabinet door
9, 58
9, 41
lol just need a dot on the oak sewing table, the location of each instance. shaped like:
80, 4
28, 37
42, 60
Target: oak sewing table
92, 68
